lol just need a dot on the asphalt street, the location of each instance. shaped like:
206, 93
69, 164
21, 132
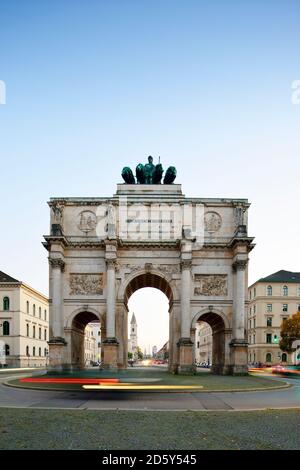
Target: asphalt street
222, 401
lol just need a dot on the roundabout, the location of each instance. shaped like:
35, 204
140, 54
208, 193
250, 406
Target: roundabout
148, 389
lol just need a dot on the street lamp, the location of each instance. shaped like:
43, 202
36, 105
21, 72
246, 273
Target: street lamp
47, 356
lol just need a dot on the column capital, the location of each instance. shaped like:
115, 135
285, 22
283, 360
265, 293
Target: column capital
185, 264
111, 263
240, 265
57, 263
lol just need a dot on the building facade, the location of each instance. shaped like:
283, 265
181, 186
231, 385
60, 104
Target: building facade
24, 324
195, 250
90, 346
203, 343
272, 300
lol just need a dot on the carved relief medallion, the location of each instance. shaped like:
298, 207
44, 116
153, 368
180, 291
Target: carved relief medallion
211, 284
87, 221
212, 221
86, 284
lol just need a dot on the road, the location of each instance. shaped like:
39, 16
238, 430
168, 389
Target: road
221, 401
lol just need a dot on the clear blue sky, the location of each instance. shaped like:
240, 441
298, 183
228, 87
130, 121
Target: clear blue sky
92, 86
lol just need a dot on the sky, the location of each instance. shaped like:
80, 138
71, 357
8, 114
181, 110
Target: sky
94, 86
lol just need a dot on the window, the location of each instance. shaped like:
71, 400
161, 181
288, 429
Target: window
45, 335
250, 338
33, 351
268, 357
298, 307
269, 307
285, 290
250, 294
33, 310
254, 322
40, 352
27, 307
40, 333
27, 350
27, 329
198, 344
40, 312
250, 324
45, 352
284, 319
253, 339
254, 291
284, 307
275, 339
33, 334
269, 321
254, 309
250, 310
6, 303
45, 315
7, 350
269, 338
99, 333
269, 290
284, 357
5, 328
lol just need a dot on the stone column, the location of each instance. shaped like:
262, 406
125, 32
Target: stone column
56, 341
239, 353
185, 344
111, 299
110, 344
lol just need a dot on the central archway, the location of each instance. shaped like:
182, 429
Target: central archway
158, 281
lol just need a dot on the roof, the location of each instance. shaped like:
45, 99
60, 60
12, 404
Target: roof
281, 276
6, 278
133, 319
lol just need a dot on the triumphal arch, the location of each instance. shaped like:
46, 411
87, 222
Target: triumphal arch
148, 234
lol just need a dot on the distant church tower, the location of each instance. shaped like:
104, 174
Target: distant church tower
133, 336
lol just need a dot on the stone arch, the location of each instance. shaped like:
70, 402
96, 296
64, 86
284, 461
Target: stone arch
84, 309
219, 324
204, 312
148, 278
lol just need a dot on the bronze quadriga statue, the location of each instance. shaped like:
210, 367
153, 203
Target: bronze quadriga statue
149, 173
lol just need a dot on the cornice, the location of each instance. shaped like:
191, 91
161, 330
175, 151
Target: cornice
242, 241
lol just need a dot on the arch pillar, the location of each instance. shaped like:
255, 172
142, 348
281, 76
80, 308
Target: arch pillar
185, 344
110, 344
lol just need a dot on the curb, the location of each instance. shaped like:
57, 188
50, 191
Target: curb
147, 410
201, 390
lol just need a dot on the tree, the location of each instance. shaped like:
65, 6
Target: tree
140, 355
130, 355
290, 332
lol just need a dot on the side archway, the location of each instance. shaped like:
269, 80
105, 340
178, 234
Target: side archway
75, 334
219, 325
